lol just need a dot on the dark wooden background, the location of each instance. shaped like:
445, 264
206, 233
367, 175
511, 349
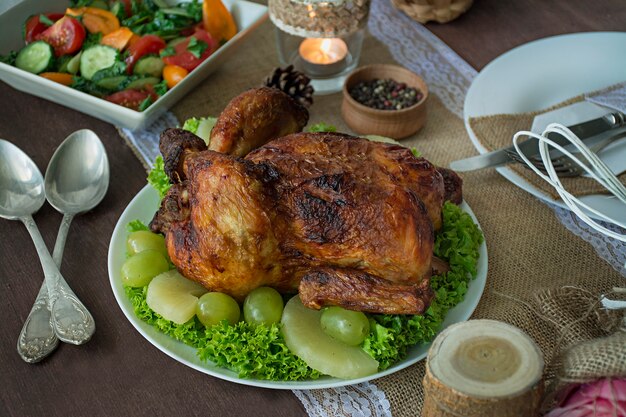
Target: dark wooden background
118, 373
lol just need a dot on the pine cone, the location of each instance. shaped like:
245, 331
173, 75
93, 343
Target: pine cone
294, 83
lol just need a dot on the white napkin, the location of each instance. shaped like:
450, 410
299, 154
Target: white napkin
613, 98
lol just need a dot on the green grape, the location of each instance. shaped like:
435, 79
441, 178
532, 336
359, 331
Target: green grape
213, 307
349, 327
142, 240
139, 269
263, 305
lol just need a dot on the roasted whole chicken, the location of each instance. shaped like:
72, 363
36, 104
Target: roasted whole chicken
339, 219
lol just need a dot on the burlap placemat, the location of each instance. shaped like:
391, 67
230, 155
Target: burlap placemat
496, 131
528, 247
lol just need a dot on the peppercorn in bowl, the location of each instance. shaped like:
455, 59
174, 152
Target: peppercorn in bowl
386, 100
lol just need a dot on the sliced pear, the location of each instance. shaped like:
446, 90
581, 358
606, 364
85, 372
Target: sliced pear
204, 128
173, 296
306, 339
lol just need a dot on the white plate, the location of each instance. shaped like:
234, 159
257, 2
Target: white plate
247, 17
545, 72
143, 207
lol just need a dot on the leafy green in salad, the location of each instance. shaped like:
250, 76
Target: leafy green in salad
158, 18
260, 351
9, 58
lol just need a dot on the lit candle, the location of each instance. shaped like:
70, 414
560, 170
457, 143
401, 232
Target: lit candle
323, 56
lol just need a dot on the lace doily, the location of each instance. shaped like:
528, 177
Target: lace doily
145, 142
448, 76
360, 400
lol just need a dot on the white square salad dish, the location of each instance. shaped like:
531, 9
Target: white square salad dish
247, 17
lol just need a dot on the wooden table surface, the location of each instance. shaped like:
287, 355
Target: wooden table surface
119, 373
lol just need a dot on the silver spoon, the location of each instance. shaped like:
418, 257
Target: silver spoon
76, 180
21, 195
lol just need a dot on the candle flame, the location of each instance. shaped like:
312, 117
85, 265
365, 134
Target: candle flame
325, 46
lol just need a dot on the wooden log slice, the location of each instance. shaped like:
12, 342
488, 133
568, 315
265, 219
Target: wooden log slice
483, 368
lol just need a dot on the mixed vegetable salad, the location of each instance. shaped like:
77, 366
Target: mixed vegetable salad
274, 337
129, 52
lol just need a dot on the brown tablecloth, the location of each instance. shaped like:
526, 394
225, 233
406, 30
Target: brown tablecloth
118, 372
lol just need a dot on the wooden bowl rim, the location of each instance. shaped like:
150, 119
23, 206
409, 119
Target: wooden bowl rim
379, 112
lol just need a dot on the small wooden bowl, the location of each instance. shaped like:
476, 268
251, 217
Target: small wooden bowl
396, 124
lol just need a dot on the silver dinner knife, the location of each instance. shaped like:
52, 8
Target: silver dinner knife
530, 148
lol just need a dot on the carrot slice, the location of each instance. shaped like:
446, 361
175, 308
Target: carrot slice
96, 20
118, 39
59, 77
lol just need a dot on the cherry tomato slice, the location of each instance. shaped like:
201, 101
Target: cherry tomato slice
128, 98
66, 36
147, 44
33, 26
173, 74
187, 60
96, 20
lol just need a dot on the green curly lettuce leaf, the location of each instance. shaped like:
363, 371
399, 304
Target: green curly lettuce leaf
321, 127
458, 242
252, 351
192, 124
135, 226
158, 178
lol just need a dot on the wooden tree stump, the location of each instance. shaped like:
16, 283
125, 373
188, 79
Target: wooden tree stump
483, 368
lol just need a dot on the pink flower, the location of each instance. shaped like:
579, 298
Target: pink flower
603, 398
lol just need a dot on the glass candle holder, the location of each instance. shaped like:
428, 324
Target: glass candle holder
322, 39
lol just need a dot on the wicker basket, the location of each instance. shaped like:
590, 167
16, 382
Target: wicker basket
441, 11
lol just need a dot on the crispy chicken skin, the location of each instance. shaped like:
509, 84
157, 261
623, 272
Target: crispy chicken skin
361, 212
343, 220
356, 290
254, 118
227, 243
175, 145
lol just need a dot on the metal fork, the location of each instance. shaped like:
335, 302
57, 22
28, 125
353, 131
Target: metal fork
563, 165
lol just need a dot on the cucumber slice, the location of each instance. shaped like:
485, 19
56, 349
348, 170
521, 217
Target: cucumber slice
176, 11
118, 10
74, 64
35, 57
149, 65
176, 41
140, 83
61, 63
113, 83
162, 4
96, 58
